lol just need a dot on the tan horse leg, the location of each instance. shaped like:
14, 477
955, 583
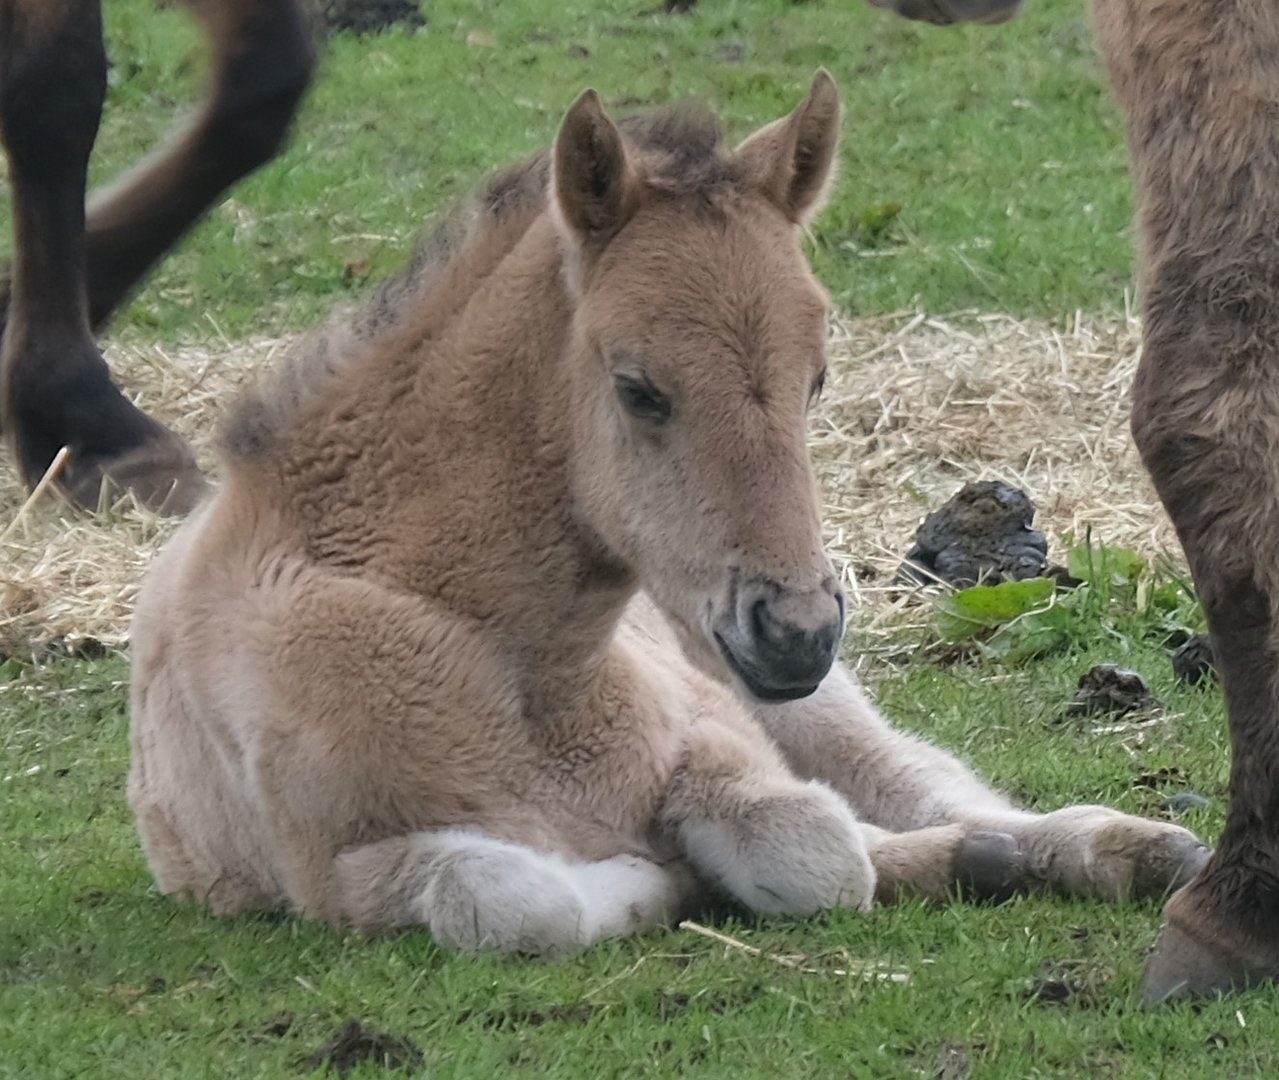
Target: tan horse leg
901, 784
56, 389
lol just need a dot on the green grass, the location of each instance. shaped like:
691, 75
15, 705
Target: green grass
102, 977
981, 168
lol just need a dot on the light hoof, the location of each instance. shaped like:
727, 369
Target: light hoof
1168, 865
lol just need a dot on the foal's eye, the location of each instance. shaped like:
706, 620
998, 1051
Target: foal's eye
642, 399
815, 391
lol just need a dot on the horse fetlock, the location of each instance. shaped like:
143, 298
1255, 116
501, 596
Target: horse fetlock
1136, 858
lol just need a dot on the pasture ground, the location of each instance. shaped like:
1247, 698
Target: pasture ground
983, 173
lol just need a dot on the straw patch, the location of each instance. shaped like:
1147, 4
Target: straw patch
68, 578
914, 407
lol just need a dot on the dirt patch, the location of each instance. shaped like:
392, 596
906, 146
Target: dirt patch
577, 1012
1070, 982
370, 16
355, 1044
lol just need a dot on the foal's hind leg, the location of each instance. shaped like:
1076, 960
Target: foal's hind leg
1204, 419
57, 390
477, 892
901, 783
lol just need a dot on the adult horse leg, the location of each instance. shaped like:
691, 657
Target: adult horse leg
901, 784
56, 396
1205, 422
52, 83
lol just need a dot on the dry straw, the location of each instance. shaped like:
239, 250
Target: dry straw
914, 407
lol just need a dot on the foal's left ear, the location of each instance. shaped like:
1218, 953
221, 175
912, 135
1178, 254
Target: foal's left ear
595, 184
793, 159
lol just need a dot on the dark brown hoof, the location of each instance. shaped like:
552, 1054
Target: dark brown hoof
161, 474
1180, 966
989, 866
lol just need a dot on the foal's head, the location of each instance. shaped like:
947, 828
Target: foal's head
698, 349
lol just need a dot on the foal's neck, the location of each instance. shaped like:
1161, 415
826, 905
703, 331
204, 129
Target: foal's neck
461, 470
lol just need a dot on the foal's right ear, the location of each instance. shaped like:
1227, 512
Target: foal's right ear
793, 159
595, 184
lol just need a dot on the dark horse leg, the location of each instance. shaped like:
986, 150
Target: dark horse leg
1199, 93
69, 275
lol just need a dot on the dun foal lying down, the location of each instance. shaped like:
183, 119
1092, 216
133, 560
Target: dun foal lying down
70, 274
1199, 86
512, 618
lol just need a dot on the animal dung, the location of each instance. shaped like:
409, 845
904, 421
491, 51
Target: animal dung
1110, 690
1192, 662
983, 534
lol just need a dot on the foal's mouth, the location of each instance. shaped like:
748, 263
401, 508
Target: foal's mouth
762, 691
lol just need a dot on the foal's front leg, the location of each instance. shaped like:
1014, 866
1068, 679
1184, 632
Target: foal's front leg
783, 845
901, 783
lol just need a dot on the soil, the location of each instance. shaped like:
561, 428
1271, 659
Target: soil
369, 16
982, 534
355, 1044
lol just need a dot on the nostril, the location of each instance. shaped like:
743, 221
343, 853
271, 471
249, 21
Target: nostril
765, 625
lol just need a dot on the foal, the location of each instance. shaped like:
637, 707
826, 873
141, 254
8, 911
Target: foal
400, 668
68, 275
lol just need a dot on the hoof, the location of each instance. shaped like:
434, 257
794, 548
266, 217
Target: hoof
1179, 967
161, 474
989, 866
1171, 866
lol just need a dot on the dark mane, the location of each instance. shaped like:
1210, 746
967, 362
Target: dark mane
683, 152
683, 147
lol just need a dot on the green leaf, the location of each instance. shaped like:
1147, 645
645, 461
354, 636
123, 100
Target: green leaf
1032, 635
971, 611
1096, 562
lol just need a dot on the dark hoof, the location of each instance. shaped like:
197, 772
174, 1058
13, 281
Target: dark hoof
1181, 967
989, 866
161, 474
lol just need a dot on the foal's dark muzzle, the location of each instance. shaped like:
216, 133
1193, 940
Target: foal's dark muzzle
781, 643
